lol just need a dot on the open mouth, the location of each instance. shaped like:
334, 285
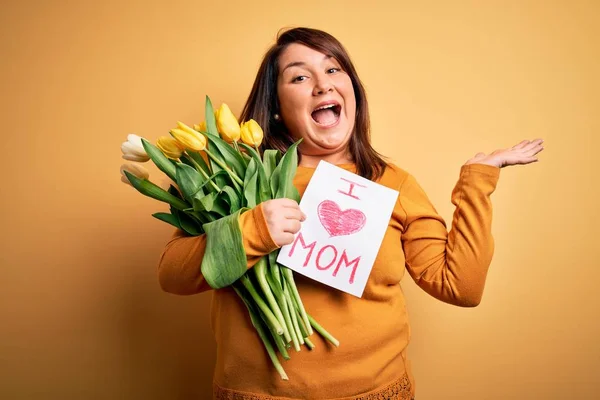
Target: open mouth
327, 114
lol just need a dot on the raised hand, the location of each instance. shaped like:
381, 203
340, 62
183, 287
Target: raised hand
520, 154
283, 218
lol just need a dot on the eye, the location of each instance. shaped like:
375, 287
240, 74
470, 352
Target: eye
300, 78
333, 70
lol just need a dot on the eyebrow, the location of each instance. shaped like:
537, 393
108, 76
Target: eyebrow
302, 63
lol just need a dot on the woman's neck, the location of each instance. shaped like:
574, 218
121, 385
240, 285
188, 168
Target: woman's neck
311, 161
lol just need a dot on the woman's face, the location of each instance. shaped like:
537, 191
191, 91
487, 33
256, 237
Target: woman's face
317, 103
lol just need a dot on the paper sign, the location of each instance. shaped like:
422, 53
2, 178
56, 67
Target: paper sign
346, 219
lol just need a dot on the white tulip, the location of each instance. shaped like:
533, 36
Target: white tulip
134, 169
133, 150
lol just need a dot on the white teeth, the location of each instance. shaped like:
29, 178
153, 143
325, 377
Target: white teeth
324, 107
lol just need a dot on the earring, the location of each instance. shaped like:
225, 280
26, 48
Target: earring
277, 117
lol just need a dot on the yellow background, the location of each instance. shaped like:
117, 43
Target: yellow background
82, 315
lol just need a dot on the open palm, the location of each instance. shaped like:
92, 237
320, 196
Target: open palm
522, 153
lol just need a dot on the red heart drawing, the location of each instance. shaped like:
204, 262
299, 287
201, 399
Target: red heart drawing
338, 222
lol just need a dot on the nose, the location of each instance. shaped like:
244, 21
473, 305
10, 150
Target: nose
323, 85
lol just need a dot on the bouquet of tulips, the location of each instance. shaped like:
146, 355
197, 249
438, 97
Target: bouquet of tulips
215, 178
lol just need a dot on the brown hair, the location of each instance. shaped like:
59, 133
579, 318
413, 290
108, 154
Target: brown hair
263, 102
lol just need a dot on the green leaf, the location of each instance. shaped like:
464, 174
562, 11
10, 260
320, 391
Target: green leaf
232, 197
184, 160
247, 158
209, 117
274, 267
175, 192
159, 159
270, 160
201, 162
168, 218
149, 189
251, 151
227, 154
220, 180
283, 176
212, 131
211, 202
187, 223
250, 184
204, 203
224, 259
264, 188
221, 206
189, 180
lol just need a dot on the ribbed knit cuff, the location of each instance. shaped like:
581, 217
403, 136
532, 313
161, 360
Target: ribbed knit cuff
255, 232
481, 168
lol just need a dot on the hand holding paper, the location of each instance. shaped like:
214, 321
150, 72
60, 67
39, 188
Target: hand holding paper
347, 217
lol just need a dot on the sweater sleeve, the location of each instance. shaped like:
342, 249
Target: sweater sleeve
179, 265
451, 266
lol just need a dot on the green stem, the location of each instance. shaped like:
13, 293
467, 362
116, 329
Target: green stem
204, 174
279, 343
294, 332
271, 352
263, 336
260, 271
295, 317
323, 332
276, 287
237, 148
275, 273
225, 167
303, 329
308, 343
289, 276
270, 319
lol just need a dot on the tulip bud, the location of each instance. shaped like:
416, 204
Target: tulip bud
201, 127
170, 147
134, 169
189, 138
227, 125
251, 133
133, 150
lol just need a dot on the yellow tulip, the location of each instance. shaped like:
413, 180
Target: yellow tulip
227, 125
201, 127
251, 133
189, 138
134, 169
170, 147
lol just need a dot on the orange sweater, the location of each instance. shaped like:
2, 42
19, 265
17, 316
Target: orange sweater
373, 330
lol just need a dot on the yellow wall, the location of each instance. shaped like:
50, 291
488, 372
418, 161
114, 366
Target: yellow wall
82, 313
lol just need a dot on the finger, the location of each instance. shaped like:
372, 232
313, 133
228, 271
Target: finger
528, 160
532, 152
288, 203
294, 214
292, 226
520, 145
533, 144
286, 238
520, 161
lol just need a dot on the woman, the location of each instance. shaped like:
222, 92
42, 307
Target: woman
308, 88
